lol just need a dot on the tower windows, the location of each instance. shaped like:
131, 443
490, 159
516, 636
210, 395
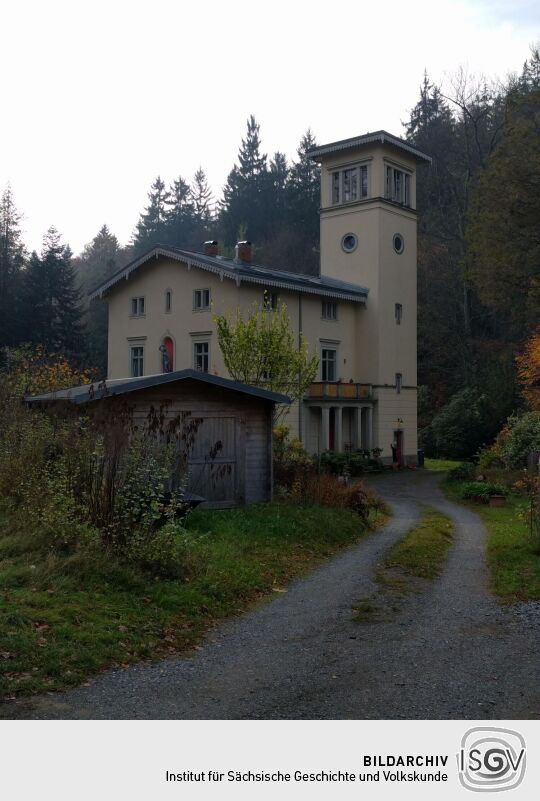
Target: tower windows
350, 184
397, 186
398, 313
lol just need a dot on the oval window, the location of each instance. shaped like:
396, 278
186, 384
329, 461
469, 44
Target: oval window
399, 243
349, 243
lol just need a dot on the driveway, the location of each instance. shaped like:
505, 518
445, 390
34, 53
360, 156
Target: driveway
451, 652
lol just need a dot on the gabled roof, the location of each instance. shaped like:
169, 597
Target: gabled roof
86, 393
379, 137
242, 272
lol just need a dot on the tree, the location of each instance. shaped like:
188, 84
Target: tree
503, 233
261, 350
99, 260
12, 258
52, 309
528, 363
243, 195
151, 227
202, 198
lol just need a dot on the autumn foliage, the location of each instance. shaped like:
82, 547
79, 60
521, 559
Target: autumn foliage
529, 370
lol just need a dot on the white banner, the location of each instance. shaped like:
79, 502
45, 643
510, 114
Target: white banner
61, 760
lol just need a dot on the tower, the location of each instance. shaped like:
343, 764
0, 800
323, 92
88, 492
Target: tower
368, 237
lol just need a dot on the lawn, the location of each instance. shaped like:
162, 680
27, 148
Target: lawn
407, 566
513, 554
64, 617
440, 465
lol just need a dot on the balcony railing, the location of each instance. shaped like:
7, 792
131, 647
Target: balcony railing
337, 390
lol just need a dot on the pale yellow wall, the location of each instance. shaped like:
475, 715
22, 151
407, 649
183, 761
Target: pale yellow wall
371, 347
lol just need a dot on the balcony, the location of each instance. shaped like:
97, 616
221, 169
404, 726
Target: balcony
337, 390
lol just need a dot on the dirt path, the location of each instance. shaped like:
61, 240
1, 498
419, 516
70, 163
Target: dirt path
451, 652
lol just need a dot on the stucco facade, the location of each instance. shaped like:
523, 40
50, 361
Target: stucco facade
365, 396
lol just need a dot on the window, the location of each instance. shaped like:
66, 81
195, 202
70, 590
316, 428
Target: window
201, 354
137, 307
201, 299
349, 243
399, 313
399, 243
168, 301
328, 364
329, 310
137, 360
271, 300
350, 184
399, 382
398, 186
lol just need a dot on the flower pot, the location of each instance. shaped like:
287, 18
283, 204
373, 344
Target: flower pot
497, 500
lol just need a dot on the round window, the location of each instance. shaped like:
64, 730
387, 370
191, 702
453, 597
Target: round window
399, 243
349, 243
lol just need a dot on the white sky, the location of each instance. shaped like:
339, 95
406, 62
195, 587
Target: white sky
100, 97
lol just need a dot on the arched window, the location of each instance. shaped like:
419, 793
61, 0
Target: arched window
167, 355
168, 301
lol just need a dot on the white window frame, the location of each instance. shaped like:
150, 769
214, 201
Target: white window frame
137, 306
199, 299
325, 304
403, 196
195, 344
139, 358
329, 347
349, 175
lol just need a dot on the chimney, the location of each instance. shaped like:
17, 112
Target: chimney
210, 248
242, 252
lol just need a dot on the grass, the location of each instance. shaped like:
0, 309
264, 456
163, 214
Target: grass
64, 617
440, 465
418, 557
513, 555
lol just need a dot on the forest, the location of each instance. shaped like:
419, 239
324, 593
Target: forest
478, 265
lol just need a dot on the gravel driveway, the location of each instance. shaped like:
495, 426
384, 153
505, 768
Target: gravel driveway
451, 652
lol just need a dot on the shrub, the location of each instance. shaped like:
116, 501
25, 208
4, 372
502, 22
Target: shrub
518, 439
291, 462
483, 490
354, 463
462, 472
326, 490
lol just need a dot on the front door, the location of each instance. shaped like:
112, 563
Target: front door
399, 447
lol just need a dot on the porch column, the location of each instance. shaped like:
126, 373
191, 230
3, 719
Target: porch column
369, 427
338, 417
357, 426
325, 429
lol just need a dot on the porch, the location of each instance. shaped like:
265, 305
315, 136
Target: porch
338, 427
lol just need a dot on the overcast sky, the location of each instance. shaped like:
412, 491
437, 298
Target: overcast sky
99, 98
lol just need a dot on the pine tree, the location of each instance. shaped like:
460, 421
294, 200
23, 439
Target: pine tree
12, 258
180, 215
202, 198
52, 302
152, 225
99, 260
305, 191
243, 195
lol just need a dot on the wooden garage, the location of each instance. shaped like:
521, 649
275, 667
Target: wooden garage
230, 451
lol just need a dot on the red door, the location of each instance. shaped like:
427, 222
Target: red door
399, 447
169, 348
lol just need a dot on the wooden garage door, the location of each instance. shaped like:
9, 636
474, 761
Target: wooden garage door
217, 460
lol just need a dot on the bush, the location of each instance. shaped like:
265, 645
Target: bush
482, 490
326, 490
460, 428
291, 462
462, 472
518, 439
353, 463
